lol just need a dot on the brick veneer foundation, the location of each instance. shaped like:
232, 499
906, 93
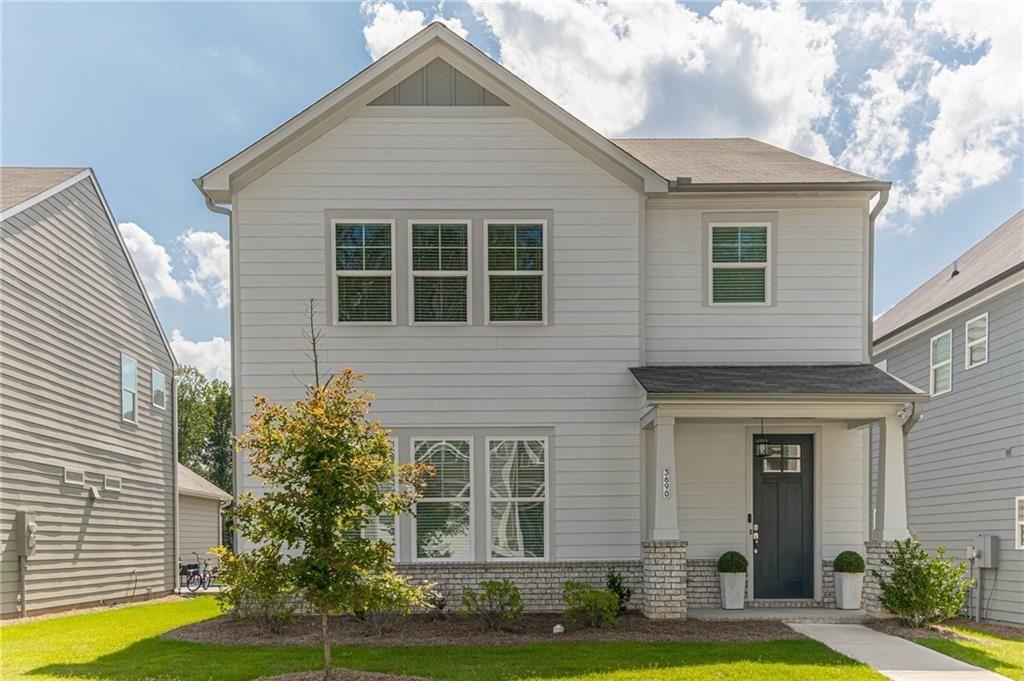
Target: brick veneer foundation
664, 574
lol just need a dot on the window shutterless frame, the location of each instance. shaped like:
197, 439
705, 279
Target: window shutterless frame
413, 443
390, 273
545, 260
414, 273
132, 388
545, 499
980, 342
932, 365
710, 265
162, 404
1018, 525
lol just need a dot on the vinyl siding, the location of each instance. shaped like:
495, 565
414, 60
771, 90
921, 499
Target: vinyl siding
198, 526
71, 307
965, 457
570, 376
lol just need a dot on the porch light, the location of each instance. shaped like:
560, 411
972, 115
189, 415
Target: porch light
761, 443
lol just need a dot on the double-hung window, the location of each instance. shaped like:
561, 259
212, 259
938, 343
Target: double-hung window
1018, 541
442, 525
440, 272
941, 362
364, 271
516, 281
739, 264
129, 389
517, 472
976, 335
158, 389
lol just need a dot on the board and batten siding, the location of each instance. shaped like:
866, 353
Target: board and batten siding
965, 457
198, 526
819, 312
71, 306
569, 376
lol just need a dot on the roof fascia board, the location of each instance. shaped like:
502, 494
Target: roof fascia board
45, 194
732, 398
756, 187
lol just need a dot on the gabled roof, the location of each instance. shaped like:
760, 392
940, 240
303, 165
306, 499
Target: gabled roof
992, 259
192, 484
34, 185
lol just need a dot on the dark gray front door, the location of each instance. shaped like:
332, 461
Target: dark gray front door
784, 516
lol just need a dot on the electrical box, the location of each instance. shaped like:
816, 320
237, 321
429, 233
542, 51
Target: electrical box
25, 523
987, 546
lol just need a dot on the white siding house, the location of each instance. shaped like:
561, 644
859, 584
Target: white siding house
524, 294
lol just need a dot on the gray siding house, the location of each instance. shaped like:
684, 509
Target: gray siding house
87, 474
199, 515
584, 336
961, 334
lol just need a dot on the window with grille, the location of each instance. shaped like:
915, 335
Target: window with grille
941, 355
382, 527
517, 471
738, 266
442, 526
440, 272
129, 389
364, 272
516, 272
976, 351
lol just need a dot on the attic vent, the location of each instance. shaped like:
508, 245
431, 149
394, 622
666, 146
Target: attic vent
73, 477
955, 271
111, 484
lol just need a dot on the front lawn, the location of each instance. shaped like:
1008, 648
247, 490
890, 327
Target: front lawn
993, 648
124, 644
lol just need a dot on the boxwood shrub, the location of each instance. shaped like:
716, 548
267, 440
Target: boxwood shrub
848, 561
732, 561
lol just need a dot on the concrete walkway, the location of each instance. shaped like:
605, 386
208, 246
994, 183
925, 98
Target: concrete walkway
895, 657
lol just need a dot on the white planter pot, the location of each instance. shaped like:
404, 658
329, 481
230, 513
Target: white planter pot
849, 586
734, 588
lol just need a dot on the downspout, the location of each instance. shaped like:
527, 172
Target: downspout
908, 425
176, 577
883, 198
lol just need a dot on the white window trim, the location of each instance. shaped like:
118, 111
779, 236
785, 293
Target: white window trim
152, 389
120, 393
73, 476
472, 500
1018, 525
361, 273
968, 344
546, 498
766, 265
467, 273
111, 484
516, 273
932, 366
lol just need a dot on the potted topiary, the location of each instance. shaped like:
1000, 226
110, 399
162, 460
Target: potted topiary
848, 571
732, 573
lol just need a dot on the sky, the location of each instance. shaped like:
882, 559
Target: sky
928, 96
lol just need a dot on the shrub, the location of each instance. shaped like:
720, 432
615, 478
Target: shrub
257, 587
435, 603
922, 589
386, 600
618, 587
590, 607
848, 561
732, 561
499, 603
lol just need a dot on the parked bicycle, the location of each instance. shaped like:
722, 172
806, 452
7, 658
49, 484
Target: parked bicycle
201, 576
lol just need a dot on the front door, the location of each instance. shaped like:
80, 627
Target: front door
784, 519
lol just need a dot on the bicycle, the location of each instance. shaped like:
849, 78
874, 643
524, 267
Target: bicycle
201, 577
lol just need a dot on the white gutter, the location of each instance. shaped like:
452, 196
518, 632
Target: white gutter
883, 198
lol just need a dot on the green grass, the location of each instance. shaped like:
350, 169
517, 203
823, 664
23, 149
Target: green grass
125, 644
996, 653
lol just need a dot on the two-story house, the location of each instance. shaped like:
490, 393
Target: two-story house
631, 354
961, 334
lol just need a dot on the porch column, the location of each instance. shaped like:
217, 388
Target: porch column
891, 512
666, 514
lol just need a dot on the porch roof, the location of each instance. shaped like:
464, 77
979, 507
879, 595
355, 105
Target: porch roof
767, 380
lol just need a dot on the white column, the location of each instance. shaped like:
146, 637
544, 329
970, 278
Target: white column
891, 514
666, 514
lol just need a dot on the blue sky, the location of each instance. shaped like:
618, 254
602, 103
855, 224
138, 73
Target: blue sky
152, 95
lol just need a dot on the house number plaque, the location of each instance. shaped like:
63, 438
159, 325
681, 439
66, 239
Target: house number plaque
666, 483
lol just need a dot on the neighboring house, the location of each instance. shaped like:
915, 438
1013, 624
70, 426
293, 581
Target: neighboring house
582, 335
199, 515
86, 404
961, 334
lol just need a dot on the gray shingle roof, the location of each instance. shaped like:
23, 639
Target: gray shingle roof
21, 184
738, 160
994, 256
775, 379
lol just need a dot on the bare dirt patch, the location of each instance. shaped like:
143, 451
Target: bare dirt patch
421, 630
943, 630
340, 675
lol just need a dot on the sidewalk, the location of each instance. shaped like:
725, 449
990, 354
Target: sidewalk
897, 658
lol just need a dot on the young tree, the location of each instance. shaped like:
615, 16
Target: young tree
328, 470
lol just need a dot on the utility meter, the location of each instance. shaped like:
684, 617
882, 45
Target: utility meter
25, 522
987, 547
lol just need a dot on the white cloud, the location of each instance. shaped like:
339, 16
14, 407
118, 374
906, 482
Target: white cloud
210, 274
212, 357
388, 26
153, 263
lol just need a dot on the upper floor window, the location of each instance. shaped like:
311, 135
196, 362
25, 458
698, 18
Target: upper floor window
364, 271
738, 268
976, 351
516, 275
158, 387
129, 389
442, 526
440, 272
941, 362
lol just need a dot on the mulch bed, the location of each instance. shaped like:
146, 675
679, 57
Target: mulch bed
943, 631
340, 675
421, 630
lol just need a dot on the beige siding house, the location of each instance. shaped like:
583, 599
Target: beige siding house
199, 515
87, 474
585, 336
